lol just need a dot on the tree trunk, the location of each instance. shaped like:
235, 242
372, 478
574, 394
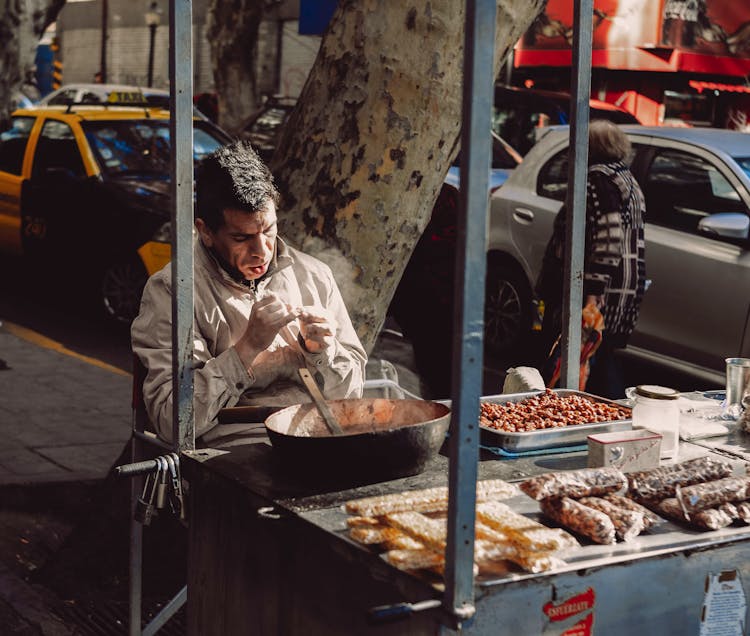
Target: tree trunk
22, 23
232, 29
363, 156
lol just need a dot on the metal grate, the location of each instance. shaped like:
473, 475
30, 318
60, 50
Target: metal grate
110, 618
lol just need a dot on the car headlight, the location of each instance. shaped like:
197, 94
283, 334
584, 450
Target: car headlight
164, 233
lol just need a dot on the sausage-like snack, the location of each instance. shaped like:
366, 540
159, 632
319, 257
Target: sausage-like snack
730, 510
743, 511
586, 521
711, 494
651, 486
628, 523
649, 518
587, 482
709, 519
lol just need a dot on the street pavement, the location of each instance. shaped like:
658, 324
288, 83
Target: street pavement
64, 417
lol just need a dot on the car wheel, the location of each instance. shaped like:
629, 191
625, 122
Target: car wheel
507, 310
121, 288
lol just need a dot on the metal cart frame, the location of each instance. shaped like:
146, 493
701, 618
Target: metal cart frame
470, 267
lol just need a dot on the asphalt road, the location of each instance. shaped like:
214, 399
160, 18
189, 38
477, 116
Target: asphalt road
57, 307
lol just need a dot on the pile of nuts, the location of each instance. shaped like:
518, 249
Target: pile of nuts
548, 410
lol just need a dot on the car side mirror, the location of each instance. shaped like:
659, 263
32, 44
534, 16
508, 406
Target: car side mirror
730, 225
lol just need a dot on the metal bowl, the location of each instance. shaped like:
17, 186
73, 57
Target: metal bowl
382, 438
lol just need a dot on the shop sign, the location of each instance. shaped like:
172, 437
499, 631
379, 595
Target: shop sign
578, 608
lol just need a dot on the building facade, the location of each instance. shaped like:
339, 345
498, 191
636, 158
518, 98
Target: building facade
678, 62
89, 31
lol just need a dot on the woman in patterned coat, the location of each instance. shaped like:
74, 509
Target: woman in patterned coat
614, 257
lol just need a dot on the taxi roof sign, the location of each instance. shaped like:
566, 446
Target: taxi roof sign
135, 98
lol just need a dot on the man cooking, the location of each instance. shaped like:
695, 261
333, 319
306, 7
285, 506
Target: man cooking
262, 309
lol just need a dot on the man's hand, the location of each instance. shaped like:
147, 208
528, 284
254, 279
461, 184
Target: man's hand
267, 317
317, 328
281, 364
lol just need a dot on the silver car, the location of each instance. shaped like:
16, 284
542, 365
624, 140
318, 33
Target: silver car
697, 188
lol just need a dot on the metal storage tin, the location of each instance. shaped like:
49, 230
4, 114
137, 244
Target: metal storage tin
548, 437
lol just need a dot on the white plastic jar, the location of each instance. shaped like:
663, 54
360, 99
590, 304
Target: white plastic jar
656, 409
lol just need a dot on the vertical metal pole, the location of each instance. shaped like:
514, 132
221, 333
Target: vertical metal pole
135, 557
575, 240
103, 48
471, 265
151, 42
181, 135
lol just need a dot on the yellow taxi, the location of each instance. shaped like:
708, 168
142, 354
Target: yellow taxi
86, 187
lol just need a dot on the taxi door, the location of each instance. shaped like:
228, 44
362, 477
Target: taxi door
15, 164
49, 197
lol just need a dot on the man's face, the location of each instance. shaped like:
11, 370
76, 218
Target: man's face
246, 241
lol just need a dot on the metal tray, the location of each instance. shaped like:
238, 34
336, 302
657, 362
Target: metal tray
548, 437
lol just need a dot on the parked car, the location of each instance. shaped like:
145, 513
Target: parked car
519, 114
263, 128
85, 190
100, 93
696, 183
113, 94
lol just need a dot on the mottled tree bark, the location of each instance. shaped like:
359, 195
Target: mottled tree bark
364, 155
232, 30
22, 23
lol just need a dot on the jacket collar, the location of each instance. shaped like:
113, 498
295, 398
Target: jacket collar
282, 259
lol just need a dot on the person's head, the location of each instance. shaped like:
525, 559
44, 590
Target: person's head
235, 212
607, 142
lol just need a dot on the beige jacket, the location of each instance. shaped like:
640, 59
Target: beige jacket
222, 307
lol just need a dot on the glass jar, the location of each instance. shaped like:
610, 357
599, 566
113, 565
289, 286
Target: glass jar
656, 409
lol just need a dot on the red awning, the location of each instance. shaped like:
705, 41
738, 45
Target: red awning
713, 86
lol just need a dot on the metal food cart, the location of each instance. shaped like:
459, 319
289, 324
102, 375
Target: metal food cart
271, 550
267, 550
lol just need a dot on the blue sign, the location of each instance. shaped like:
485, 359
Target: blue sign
44, 62
314, 16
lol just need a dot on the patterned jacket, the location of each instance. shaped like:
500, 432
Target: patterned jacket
614, 257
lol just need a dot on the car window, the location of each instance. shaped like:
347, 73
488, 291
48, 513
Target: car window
63, 97
744, 164
553, 177
264, 132
90, 98
682, 188
57, 148
269, 122
140, 147
203, 143
13, 144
